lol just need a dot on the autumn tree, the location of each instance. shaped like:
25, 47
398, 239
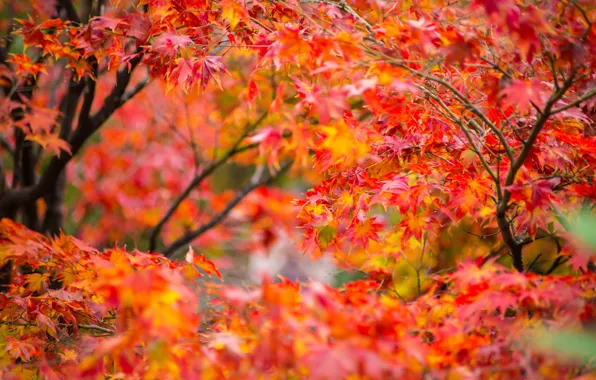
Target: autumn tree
442, 143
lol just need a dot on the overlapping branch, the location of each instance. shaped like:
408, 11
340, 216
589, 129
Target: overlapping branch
219, 217
196, 181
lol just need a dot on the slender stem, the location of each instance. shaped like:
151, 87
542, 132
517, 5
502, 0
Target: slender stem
199, 178
219, 217
80, 326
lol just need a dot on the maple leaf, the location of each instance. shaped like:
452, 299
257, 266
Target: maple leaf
234, 11
423, 32
522, 94
36, 282
459, 48
113, 24
68, 355
279, 98
415, 224
327, 105
51, 142
396, 185
20, 349
140, 25
288, 45
363, 229
252, 92
46, 324
170, 43
24, 65
185, 72
584, 190
211, 67
536, 194
270, 142
201, 262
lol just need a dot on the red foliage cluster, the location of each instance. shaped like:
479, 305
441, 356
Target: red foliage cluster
443, 155
82, 313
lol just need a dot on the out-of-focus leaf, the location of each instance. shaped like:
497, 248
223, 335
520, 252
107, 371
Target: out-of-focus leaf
574, 345
585, 230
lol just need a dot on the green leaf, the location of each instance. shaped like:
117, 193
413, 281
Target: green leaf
326, 234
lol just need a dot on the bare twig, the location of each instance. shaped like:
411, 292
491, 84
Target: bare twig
80, 326
533, 262
588, 95
560, 260
516, 164
199, 178
466, 102
219, 217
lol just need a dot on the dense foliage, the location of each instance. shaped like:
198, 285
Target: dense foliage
441, 153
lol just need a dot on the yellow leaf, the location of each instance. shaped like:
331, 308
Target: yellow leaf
35, 281
68, 355
234, 12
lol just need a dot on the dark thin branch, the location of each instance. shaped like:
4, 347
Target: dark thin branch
80, 326
492, 254
24, 157
584, 14
469, 137
28, 179
86, 10
199, 178
54, 198
17, 155
533, 262
530, 240
218, 218
480, 236
588, 95
115, 98
466, 102
134, 90
560, 260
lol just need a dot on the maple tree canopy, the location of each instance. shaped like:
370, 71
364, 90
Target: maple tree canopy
439, 154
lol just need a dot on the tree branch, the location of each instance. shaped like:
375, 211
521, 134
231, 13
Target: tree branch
559, 260
135, 90
476, 149
533, 262
466, 102
86, 127
576, 102
530, 240
80, 326
503, 205
199, 178
218, 218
